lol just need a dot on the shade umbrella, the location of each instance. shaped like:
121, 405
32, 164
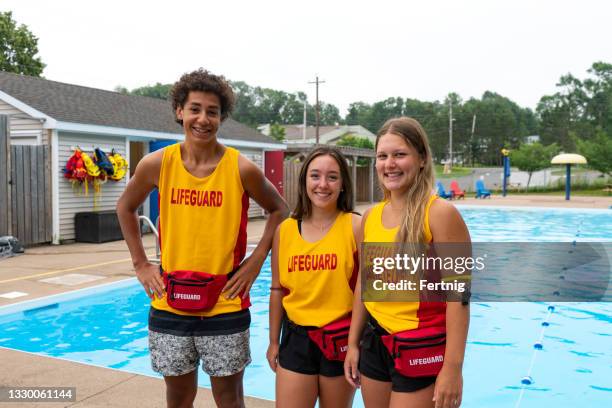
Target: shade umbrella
568, 159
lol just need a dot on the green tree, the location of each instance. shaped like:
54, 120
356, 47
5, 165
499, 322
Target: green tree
159, 91
329, 114
277, 132
500, 122
533, 157
357, 114
580, 107
598, 152
18, 48
122, 90
355, 141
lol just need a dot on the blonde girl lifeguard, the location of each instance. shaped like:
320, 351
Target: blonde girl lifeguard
410, 213
313, 274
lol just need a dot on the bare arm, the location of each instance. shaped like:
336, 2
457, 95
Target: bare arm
145, 179
358, 319
263, 192
447, 226
276, 306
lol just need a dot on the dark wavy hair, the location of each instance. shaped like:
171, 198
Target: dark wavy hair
345, 202
203, 81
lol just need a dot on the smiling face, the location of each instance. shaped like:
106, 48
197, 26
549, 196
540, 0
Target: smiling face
397, 163
323, 182
201, 116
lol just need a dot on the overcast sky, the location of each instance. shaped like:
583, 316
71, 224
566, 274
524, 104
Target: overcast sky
364, 50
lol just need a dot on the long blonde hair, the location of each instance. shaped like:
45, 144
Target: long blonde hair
418, 195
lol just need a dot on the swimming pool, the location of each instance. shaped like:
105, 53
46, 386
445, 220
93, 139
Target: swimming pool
108, 327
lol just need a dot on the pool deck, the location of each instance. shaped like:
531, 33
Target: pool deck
48, 270
529, 200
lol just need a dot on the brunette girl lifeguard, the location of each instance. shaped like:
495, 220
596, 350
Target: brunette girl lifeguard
313, 274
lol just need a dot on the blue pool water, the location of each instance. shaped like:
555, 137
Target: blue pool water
109, 328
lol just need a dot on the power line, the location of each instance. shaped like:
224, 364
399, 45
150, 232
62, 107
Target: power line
317, 82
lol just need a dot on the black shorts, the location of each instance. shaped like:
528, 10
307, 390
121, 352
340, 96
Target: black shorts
376, 363
300, 354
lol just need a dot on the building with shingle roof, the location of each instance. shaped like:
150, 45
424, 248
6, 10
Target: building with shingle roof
327, 134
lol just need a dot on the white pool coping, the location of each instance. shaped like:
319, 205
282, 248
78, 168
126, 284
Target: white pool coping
65, 296
535, 209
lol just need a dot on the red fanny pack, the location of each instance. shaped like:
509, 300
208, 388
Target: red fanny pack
418, 352
332, 338
193, 291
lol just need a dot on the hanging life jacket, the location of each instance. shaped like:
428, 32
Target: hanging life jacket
92, 168
119, 165
103, 162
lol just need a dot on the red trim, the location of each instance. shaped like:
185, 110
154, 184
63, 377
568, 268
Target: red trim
432, 314
245, 303
241, 240
240, 248
353, 279
159, 223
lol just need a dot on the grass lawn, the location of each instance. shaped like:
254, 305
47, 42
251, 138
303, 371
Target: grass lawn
560, 170
455, 172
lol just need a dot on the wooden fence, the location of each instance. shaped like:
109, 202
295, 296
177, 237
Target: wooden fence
5, 171
362, 184
25, 190
291, 174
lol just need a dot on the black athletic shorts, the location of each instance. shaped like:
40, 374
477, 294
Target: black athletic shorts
300, 354
376, 363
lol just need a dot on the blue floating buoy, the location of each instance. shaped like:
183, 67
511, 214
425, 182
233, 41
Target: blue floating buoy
564, 268
556, 293
551, 308
538, 346
574, 242
561, 277
527, 380
545, 324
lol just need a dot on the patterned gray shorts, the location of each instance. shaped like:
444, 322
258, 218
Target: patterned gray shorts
221, 355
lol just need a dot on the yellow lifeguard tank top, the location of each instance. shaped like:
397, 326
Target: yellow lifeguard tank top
202, 223
395, 317
318, 275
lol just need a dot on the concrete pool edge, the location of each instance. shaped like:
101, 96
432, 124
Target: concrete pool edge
64, 296
95, 386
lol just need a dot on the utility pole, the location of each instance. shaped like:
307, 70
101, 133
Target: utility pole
450, 133
317, 82
472, 139
304, 131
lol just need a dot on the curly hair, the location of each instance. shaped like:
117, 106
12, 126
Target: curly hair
203, 81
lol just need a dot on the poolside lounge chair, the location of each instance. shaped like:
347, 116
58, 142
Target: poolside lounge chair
443, 193
455, 190
481, 191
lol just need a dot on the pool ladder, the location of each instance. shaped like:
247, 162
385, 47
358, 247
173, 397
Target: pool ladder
154, 228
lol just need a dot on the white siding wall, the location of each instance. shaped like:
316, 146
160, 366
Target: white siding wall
256, 156
24, 129
73, 201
